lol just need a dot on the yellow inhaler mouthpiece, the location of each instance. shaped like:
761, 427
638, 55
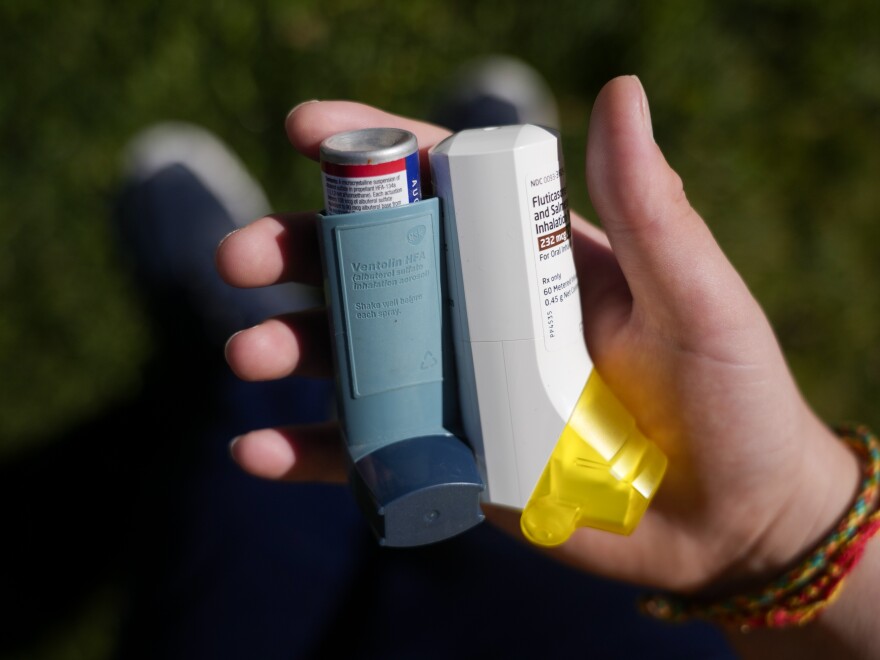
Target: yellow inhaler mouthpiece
602, 473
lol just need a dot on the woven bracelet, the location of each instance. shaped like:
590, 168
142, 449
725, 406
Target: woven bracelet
802, 593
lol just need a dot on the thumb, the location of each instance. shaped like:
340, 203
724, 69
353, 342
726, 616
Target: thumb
678, 277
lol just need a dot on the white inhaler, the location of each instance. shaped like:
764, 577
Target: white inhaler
548, 435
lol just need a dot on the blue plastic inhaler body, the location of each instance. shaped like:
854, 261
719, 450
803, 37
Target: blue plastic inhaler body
414, 479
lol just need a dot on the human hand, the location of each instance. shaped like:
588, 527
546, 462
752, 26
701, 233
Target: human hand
754, 479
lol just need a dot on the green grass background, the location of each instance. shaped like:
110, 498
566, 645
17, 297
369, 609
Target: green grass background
769, 110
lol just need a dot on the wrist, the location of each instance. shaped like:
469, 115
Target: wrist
823, 489
800, 594
811, 493
846, 629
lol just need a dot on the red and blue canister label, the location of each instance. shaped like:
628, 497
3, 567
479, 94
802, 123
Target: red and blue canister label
368, 187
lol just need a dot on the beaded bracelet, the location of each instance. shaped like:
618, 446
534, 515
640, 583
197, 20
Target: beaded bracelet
802, 593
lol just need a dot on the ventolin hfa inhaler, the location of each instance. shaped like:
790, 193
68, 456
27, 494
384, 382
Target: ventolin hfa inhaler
415, 480
549, 436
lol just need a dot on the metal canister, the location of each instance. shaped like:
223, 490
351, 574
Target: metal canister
370, 169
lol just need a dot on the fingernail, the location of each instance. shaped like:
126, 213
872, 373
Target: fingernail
299, 105
223, 240
235, 334
234, 442
644, 109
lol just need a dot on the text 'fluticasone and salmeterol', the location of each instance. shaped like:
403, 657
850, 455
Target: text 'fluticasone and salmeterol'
547, 205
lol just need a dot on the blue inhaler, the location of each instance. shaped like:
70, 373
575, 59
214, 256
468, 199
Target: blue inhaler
415, 480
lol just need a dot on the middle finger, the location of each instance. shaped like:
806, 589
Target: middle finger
281, 346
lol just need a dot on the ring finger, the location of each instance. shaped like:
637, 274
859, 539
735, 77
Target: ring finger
281, 346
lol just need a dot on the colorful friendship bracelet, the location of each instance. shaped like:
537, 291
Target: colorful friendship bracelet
802, 593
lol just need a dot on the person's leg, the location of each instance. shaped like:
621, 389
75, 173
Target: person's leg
223, 565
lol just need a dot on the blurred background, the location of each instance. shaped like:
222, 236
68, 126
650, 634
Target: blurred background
769, 110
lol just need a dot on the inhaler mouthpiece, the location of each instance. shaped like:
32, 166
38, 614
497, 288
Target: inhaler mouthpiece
603, 472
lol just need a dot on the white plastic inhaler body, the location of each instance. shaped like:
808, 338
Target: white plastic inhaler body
549, 437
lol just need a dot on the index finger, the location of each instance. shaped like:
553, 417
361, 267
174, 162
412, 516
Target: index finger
282, 247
